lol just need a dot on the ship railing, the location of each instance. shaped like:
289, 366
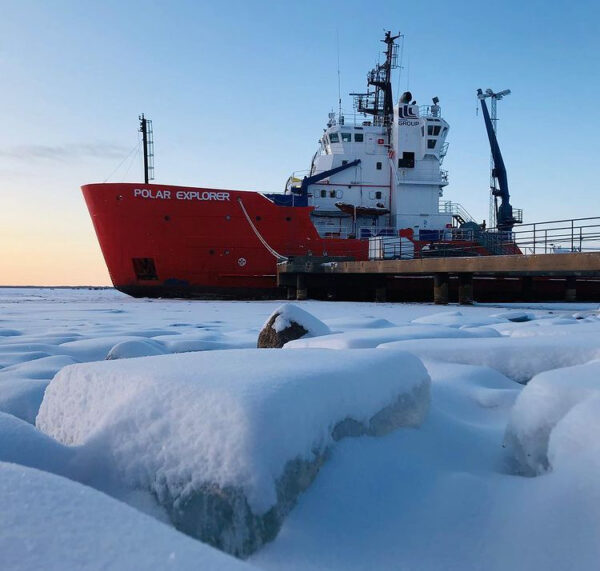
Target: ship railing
433, 111
456, 210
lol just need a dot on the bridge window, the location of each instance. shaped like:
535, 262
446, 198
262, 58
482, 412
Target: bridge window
378, 166
358, 137
334, 137
346, 137
378, 194
431, 143
323, 193
332, 194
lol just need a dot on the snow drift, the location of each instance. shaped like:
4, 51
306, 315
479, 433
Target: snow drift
227, 440
52, 523
556, 421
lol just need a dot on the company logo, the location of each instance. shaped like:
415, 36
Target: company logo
407, 112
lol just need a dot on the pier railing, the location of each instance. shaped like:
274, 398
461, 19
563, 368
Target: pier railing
559, 236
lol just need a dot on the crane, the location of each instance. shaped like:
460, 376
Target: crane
502, 215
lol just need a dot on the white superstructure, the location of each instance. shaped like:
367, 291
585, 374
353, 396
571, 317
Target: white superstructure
398, 180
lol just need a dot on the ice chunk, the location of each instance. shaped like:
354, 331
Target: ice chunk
457, 319
552, 418
519, 358
49, 522
22, 397
22, 443
238, 432
136, 348
363, 338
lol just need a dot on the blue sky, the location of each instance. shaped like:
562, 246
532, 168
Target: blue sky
239, 93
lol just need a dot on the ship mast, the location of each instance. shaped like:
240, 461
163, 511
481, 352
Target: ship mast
380, 103
148, 144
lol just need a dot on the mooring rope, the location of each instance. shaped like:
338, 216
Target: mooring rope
258, 235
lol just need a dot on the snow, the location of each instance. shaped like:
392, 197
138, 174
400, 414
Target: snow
288, 313
175, 423
449, 494
362, 338
519, 358
555, 420
51, 523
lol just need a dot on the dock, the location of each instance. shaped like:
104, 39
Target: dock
536, 277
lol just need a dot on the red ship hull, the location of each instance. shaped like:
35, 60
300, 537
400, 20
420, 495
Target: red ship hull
170, 241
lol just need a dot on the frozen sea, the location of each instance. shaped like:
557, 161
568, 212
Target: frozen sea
503, 473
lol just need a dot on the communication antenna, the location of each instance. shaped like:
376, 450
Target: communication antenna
400, 64
494, 97
339, 76
148, 145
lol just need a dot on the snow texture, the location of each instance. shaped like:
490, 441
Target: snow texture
179, 425
289, 313
519, 358
52, 523
448, 495
555, 421
363, 338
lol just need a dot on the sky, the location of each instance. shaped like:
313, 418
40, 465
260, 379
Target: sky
239, 92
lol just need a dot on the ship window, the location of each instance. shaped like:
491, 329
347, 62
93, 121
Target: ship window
344, 163
422, 131
430, 129
378, 166
358, 137
436, 130
144, 268
332, 194
407, 161
334, 138
346, 137
431, 143
323, 193
378, 194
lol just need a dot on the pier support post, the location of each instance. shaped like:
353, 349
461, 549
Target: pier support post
571, 289
301, 291
527, 288
380, 291
440, 289
465, 289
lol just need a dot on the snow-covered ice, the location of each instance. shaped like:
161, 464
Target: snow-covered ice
177, 425
449, 494
555, 422
51, 523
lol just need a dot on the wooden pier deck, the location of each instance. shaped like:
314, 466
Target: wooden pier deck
306, 275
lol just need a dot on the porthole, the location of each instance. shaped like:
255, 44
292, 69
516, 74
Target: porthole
288, 218
258, 218
167, 218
